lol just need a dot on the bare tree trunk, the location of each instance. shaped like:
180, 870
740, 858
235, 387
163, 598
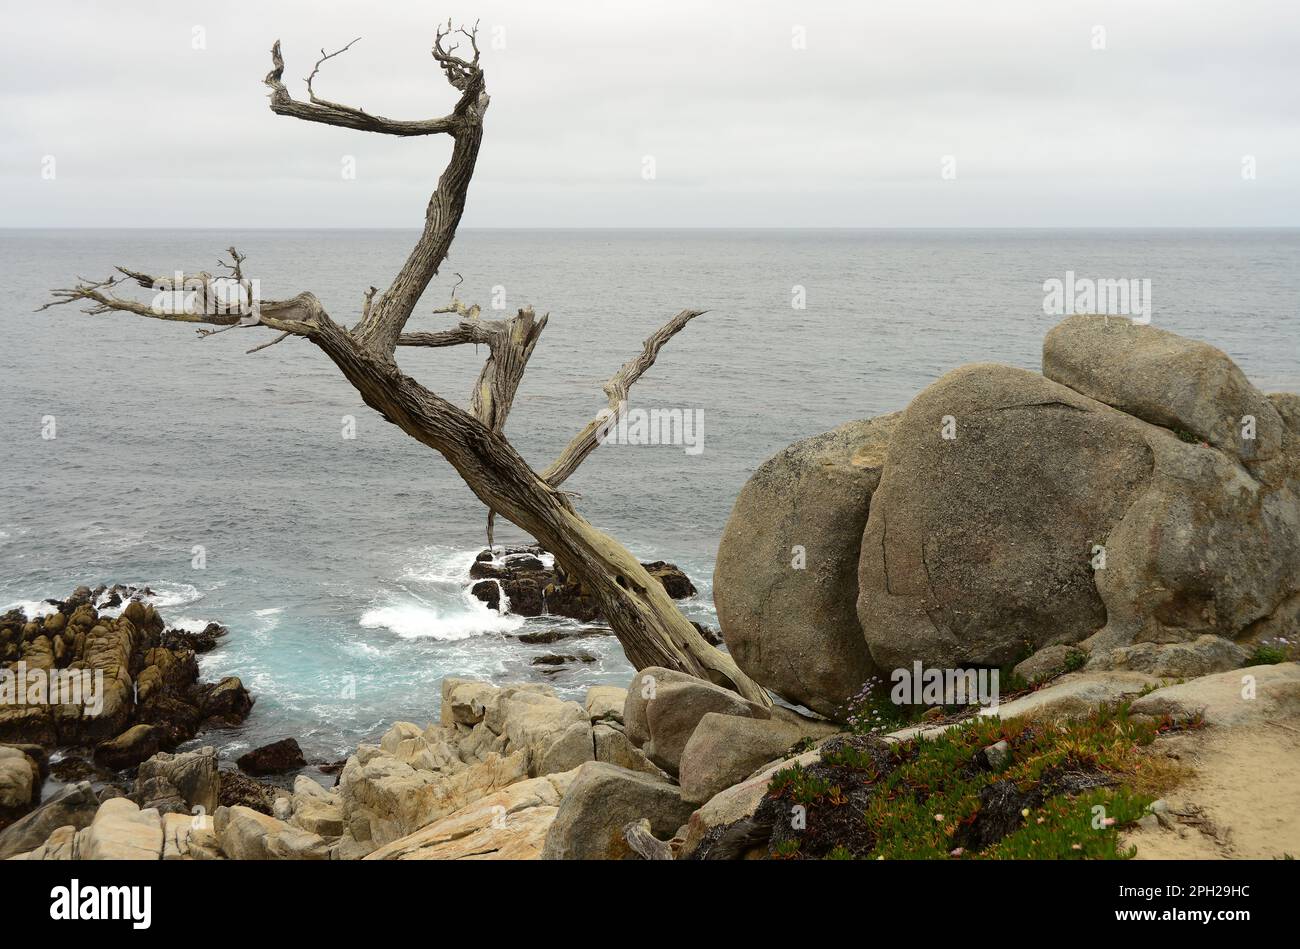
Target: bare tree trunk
648, 624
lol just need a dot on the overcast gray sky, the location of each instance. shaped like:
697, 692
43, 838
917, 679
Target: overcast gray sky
745, 128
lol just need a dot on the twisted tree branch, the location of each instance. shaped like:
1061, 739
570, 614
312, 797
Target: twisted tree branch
616, 392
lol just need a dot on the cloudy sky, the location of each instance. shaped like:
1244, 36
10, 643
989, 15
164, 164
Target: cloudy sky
756, 114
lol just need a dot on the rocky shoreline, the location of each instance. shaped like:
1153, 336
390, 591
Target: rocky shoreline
670, 768
1100, 565
86, 694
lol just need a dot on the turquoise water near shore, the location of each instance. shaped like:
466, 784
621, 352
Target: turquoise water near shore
339, 564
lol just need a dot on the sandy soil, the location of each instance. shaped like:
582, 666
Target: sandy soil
1243, 800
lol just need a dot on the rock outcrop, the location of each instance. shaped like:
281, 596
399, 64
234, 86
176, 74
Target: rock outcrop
786, 580
997, 486
534, 589
75, 807
1243, 696
186, 783
1136, 506
104, 676
489, 739
275, 758
510, 824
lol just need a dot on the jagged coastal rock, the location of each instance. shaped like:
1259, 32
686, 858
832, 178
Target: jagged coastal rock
532, 588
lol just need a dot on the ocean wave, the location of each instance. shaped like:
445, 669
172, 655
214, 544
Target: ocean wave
415, 619
166, 595
189, 624
450, 565
440, 566
32, 608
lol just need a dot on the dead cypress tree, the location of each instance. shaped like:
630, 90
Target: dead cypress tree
647, 622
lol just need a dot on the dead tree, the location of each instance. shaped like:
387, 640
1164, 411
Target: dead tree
652, 630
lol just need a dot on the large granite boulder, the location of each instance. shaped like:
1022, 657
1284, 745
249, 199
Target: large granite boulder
1165, 379
604, 799
1017, 514
979, 542
1211, 546
786, 580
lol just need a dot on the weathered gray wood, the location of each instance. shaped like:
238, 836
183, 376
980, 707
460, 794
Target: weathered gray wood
645, 844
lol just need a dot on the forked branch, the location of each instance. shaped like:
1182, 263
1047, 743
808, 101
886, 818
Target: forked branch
195, 298
616, 392
334, 113
383, 321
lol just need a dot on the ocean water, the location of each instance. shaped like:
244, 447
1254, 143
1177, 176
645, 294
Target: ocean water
339, 564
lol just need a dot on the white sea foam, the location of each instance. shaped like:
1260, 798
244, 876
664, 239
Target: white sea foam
166, 594
448, 565
441, 566
33, 608
173, 594
411, 618
189, 624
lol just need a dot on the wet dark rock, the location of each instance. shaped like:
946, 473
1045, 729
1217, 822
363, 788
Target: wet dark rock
200, 642
73, 768
129, 748
237, 788
544, 638
711, 635
225, 704
533, 589
554, 659
275, 758
676, 582
489, 592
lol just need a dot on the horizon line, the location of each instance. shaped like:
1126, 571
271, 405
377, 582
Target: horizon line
710, 227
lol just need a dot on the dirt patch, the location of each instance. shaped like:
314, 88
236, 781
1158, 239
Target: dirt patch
1242, 800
